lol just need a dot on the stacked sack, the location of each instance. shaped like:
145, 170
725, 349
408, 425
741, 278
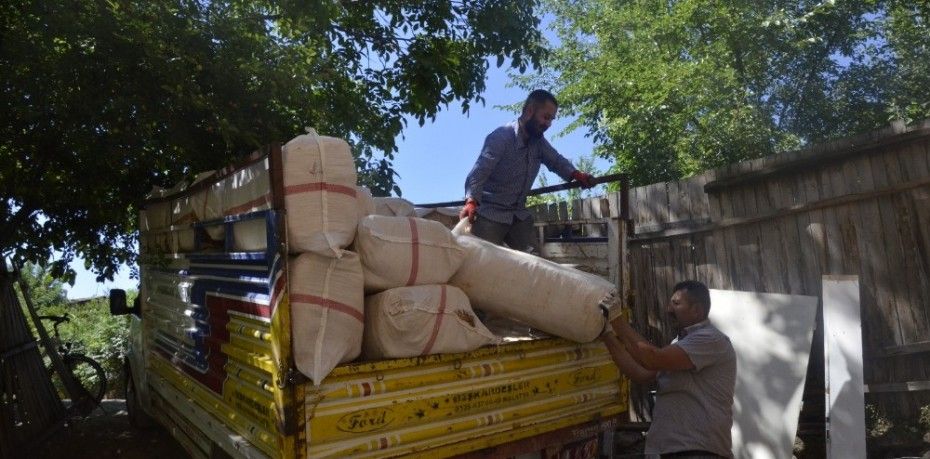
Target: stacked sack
407, 262
326, 287
158, 218
556, 299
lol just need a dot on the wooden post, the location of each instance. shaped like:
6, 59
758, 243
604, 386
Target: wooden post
616, 239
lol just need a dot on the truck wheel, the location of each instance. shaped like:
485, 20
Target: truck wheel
138, 418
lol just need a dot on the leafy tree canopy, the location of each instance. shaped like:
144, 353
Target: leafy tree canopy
44, 289
102, 100
671, 88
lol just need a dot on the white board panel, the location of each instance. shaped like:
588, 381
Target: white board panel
842, 350
772, 335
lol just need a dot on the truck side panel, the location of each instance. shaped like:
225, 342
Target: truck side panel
215, 331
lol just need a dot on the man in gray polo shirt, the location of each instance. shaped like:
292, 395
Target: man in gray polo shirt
695, 375
496, 187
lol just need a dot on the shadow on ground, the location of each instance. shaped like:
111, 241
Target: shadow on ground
106, 433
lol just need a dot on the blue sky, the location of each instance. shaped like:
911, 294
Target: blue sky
432, 159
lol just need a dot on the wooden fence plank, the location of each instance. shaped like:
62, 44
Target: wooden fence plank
874, 256
809, 269
778, 198
640, 212
714, 207
679, 202
913, 277
709, 272
699, 205
913, 328
885, 171
914, 165
833, 264
737, 198
657, 205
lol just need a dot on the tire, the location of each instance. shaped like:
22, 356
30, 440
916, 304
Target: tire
89, 374
138, 418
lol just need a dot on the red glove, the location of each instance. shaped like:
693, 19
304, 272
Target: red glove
585, 179
470, 210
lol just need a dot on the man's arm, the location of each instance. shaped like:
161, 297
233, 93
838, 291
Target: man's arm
625, 361
557, 163
650, 357
564, 168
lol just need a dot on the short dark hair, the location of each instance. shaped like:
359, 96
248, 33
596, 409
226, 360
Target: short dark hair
539, 96
697, 292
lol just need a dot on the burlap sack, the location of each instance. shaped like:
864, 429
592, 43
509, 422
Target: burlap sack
208, 205
327, 312
405, 251
319, 190
421, 320
553, 298
366, 203
394, 207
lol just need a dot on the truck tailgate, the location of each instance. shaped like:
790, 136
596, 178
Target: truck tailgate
447, 404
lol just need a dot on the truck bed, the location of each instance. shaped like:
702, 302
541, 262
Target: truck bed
216, 349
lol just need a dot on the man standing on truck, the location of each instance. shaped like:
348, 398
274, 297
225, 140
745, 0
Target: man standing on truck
695, 376
496, 187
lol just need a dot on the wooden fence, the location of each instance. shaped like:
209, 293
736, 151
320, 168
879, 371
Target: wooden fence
30, 409
777, 224
857, 206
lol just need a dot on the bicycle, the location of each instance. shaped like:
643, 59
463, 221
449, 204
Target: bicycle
85, 370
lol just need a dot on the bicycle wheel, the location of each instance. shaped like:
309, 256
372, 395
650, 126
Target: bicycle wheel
89, 373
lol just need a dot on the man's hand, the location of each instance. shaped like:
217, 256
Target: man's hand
469, 210
584, 178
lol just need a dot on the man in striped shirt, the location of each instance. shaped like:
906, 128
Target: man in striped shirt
496, 187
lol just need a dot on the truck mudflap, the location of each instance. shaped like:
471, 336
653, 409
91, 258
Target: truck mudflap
450, 404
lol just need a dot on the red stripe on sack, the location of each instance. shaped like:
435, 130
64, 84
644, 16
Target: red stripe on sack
439, 316
334, 305
383, 442
257, 202
366, 389
415, 252
319, 186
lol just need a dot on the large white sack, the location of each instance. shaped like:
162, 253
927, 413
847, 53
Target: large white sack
421, 320
155, 215
405, 251
182, 217
209, 203
553, 298
448, 216
244, 191
320, 196
394, 207
366, 202
327, 312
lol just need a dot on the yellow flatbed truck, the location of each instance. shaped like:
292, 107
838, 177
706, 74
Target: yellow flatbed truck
211, 360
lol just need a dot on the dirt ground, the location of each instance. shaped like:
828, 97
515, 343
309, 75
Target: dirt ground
106, 433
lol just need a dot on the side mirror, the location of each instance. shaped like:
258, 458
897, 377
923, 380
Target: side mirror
118, 305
